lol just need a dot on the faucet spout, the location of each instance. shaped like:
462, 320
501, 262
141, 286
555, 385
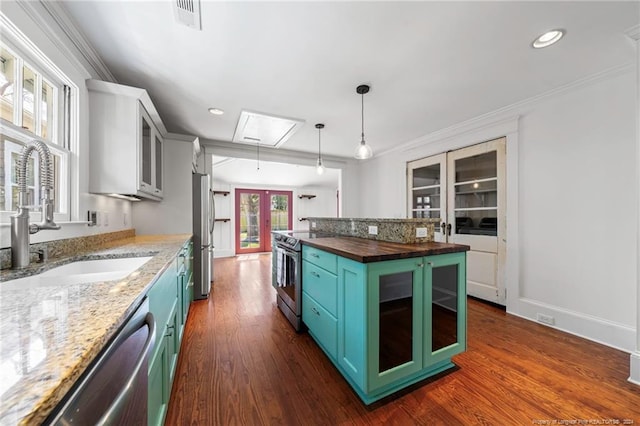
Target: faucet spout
20, 227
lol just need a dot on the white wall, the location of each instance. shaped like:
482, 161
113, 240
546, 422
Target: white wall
571, 214
114, 215
325, 204
172, 215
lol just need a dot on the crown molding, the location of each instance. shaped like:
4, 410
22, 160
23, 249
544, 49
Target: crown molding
83, 53
634, 32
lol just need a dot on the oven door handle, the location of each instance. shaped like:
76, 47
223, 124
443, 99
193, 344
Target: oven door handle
288, 252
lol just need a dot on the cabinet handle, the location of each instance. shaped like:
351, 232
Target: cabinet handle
315, 255
315, 274
449, 229
169, 331
315, 311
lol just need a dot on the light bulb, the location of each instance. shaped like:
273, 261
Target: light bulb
319, 167
364, 151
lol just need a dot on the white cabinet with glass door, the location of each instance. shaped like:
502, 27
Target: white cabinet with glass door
465, 189
126, 142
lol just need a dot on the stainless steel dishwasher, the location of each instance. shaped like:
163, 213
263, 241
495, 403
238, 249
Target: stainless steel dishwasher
114, 389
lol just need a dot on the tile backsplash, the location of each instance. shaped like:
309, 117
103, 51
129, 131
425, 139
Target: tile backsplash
393, 230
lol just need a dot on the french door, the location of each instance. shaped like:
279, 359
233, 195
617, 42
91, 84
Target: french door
465, 191
257, 213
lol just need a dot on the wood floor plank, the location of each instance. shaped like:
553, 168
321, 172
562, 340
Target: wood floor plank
241, 363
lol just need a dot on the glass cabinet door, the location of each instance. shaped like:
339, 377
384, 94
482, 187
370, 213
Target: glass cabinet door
427, 188
158, 165
445, 307
145, 136
395, 328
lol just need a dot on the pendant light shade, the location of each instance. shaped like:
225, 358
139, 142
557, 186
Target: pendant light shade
319, 165
364, 151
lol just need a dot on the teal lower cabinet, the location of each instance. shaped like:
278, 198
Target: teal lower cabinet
169, 300
398, 321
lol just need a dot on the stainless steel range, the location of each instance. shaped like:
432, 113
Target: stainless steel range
287, 272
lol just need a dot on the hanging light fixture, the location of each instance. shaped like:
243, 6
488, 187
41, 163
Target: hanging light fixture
364, 151
319, 165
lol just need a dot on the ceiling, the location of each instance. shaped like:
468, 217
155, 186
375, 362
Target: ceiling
430, 65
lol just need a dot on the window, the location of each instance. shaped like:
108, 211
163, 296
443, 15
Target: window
35, 103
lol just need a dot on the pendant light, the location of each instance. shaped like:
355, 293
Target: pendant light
364, 151
319, 165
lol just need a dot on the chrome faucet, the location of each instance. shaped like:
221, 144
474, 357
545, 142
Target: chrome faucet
20, 227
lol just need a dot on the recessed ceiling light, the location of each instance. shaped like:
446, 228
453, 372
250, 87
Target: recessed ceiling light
548, 38
216, 111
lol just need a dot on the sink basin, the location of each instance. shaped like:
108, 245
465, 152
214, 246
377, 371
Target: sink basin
81, 272
114, 266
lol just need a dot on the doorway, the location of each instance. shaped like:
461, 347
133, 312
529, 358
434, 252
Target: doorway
257, 213
466, 190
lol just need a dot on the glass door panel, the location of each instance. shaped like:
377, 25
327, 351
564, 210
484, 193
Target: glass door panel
444, 309
280, 211
258, 212
249, 220
427, 192
396, 320
476, 194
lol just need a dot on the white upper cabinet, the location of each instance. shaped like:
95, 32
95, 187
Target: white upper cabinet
126, 138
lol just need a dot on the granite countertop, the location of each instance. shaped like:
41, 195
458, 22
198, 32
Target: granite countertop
50, 333
365, 251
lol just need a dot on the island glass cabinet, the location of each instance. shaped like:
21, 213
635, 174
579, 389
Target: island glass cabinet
398, 321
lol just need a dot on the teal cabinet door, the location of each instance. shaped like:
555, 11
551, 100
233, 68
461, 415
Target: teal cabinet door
445, 304
173, 342
395, 320
158, 396
352, 320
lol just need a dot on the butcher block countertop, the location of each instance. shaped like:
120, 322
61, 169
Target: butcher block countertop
366, 251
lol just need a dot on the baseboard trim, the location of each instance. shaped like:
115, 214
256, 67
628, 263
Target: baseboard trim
634, 368
599, 330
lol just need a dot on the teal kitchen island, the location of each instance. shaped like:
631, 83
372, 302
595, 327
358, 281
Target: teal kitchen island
387, 314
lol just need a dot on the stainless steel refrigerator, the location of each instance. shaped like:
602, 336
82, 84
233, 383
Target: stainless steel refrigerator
203, 224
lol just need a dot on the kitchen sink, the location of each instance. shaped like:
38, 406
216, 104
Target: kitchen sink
82, 272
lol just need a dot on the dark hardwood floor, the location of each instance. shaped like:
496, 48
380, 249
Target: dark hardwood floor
241, 363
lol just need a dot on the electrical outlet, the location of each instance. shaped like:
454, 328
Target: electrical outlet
124, 219
421, 232
92, 218
105, 218
546, 319
373, 230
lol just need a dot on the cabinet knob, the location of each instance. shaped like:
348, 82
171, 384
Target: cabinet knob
315, 274
315, 255
420, 265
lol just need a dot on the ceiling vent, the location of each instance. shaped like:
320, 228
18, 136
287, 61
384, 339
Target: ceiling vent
269, 130
187, 12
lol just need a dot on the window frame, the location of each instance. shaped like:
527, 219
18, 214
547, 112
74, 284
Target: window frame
63, 129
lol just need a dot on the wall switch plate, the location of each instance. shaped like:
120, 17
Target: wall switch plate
546, 319
421, 232
373, 230
313, 225
105, 218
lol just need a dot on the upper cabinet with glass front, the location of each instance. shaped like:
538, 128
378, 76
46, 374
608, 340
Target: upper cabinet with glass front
126, 137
